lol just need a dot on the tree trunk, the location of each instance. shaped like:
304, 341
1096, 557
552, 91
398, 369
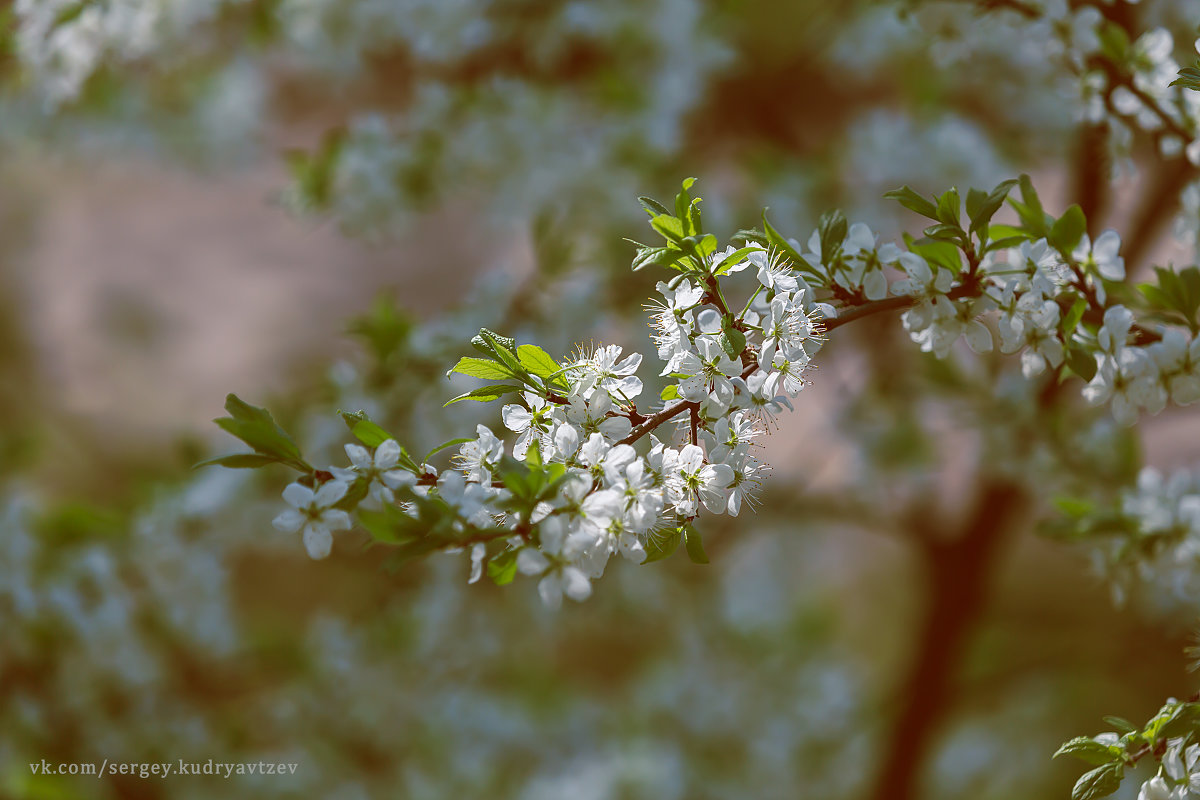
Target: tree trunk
957, 572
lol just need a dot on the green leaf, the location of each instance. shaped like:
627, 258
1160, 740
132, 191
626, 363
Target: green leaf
445, 445
1120, 723
1089, 751
486, 394
1183, 721
256, 427
502, 568
1100, 782
693, 545
1068, 230
777, 240
670, 227
537, 360
685, 209
832, 231
385, 328
354, 495
981, 208
669, 392
1074, 507
1189, 77
1008, 241
912, 201
1073, 316
733, 341
652, 206
1007, 232
501, 348
734, 258
1081, 362
364, 429
667, 257
949, 207
389, 525
946, 233
1114, 42
1029, 209
662, 543
700, 248
940, 253
239, 461
481, 368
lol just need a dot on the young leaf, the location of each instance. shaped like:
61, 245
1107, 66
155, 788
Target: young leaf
238, 461
1068, 230
776, 240
1100, 782
695, 548
736, 257
537, 360
949, 207
913, 201
1189, 77
832, 231
481, 368
444, 445
1121, 724
1089, 751
660, 544
670, 227
652, 206
485, 394
256, 427
502, 568
987, 207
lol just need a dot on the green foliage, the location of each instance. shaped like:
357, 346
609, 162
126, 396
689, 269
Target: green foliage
1189, 77
982, 206
831, 230
384, 328
372, 435
1175, 297
908, 198
693, 545
1035, 222
482, 368
1174, 719
662, 543
537, 361
1114, 42
485, 394
313, 173
1089, 751
502, 568
939, 253
1100, 782
733, 341
506, 361
256, 427
782, 245
688, 249
1068, 230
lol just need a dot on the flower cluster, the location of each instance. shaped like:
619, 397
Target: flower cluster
1041, 293
1159, 520
607, 496
588, 475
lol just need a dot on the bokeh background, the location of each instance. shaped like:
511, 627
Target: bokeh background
314, 204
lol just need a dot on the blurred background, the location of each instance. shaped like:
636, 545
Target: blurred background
315, 204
